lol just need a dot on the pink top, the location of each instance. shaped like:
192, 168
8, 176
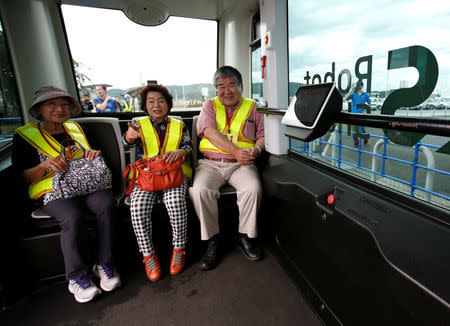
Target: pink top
253, 127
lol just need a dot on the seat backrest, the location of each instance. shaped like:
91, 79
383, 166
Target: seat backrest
195, 151
103, 133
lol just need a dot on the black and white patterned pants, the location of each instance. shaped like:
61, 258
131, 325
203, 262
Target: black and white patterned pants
141, 208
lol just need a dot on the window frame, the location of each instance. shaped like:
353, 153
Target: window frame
7, 144
439, 127
254, 46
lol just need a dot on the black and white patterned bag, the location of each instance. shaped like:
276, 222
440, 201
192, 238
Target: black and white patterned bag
82, 177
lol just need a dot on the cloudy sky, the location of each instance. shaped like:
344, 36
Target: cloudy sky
362, 28
113, 50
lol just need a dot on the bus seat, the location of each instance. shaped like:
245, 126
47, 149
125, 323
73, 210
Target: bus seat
39, 213
42, 234
195, 151
103, 133
226, 189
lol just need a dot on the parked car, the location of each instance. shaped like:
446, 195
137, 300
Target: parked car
422, 106
432, 104
376, 104
444, 103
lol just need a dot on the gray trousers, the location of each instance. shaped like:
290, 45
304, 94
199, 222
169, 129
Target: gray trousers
204, 193
70, 214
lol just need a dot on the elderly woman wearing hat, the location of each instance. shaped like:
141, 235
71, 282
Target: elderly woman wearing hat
36, 156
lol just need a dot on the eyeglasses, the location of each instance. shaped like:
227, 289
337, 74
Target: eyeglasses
222, 87
54, 105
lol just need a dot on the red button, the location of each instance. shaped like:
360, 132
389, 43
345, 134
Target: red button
330, 199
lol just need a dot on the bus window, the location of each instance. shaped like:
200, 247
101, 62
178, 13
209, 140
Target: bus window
109, 49
392, 65
10, 117
255, 46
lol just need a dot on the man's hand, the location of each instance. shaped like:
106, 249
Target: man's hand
255, 151
244, 155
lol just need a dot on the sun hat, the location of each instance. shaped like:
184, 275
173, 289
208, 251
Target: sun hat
48, 92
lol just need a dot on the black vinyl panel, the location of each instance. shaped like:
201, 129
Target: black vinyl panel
368, 260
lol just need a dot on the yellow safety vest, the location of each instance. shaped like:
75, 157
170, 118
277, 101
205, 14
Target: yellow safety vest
152, 146
127, 106
235, 127
33, 136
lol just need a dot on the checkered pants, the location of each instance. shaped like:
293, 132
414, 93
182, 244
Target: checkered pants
141, 208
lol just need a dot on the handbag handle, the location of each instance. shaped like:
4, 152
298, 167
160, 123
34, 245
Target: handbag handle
130, 168
64, 144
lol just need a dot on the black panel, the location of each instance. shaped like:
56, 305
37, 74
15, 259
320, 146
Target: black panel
14, 275
364, 259
310, 101
313, 107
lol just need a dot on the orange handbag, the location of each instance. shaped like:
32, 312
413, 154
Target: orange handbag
154, 174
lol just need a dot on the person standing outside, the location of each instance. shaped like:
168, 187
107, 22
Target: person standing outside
104, 102
233, 136
358, 98
86, 103
119, 103
127, 104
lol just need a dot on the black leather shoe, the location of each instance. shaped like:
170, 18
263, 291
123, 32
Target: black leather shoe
249, 247
211, 258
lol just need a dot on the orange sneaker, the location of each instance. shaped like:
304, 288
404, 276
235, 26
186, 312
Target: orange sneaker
178, 261
152, 267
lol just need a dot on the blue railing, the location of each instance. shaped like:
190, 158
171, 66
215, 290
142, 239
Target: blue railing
337, 146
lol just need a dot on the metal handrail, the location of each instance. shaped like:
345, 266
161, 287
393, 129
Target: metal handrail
335, 142
434, 126
430, 166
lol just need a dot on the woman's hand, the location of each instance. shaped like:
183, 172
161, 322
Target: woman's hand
57, 164
90, 154
133, 133
174, 156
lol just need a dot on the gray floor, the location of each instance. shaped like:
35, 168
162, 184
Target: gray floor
238, 292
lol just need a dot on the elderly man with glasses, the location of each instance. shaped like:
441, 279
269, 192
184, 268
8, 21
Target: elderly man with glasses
232, 137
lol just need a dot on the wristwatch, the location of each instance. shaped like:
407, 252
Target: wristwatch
259, 149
